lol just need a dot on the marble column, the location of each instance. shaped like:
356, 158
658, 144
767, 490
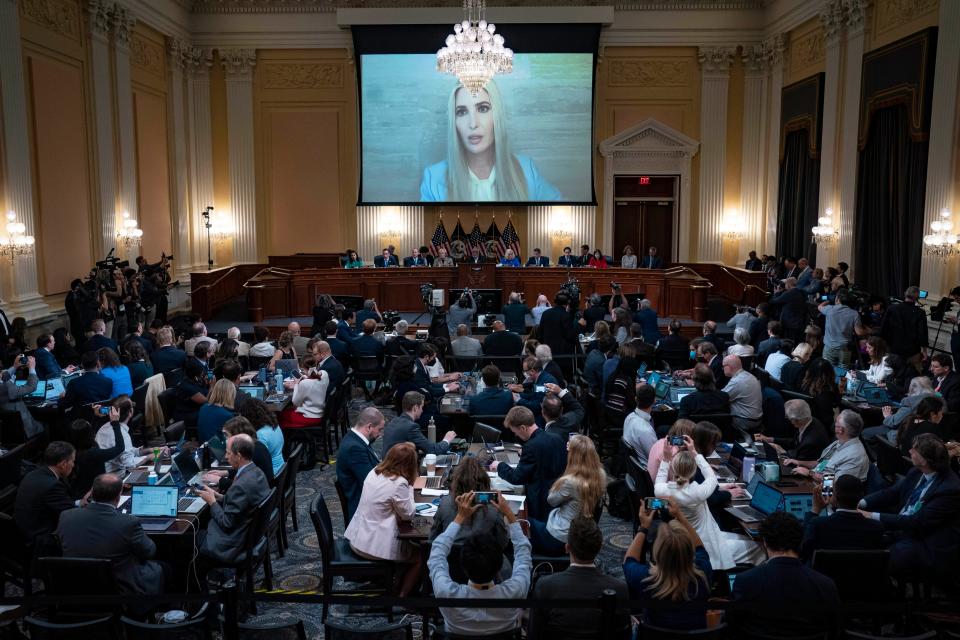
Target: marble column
21, 291
179, 55
123, 23
831, 18
98, 13
752, 151
775, 49
200, 152
937, 276
238, 65
715, 71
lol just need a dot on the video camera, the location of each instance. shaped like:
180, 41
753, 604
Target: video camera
390, 319
572, 288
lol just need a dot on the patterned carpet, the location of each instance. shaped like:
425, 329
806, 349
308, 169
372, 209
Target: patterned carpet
300, 569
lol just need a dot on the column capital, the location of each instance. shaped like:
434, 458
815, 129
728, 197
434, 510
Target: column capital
775, 49
857, 12
238, 63
831, 19
755, 59
179, 54
198, 60
123, 24
98, 14
716, 60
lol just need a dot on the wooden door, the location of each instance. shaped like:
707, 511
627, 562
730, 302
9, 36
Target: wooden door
627, 222
658, 229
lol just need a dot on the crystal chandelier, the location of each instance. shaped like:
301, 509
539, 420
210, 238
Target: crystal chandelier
129, 235
15, 243
942, 243
732, 227
474, 53
825, 234
222, 227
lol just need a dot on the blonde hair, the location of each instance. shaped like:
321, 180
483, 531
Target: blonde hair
584, 472
223, 394
803, 351
683, 467
672, 569
511, 184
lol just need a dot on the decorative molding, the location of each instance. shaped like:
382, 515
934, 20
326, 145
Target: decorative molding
893, 13
831, 19
650, 72
775, 48
302, 75
146, 54
59, 16
808, 50
716, 59
98, 15
755, 58
122, 23
857, 11
198, 60
178, 52
238, 62
330, 6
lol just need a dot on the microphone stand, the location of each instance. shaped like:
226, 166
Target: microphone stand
208, 224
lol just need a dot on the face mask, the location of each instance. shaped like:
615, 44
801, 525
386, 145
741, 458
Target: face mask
693, 355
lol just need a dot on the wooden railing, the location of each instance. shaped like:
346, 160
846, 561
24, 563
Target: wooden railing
737, 286
211, 290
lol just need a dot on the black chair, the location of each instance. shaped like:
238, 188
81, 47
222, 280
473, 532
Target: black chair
652, 632
350, 630
275, 522
168, 400
461, 363
342, 497
506, 364
14, 556
286, 631
746, 362
861, 575
59, 577
172, 378
890, 461
723, 421
98, 629
637, 472
495, 421
11, 428
338, 559
172, 433
139, 399
288, 497
196, 629
367, 369
10, 465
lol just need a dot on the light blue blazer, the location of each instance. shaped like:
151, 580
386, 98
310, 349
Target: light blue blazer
433, 188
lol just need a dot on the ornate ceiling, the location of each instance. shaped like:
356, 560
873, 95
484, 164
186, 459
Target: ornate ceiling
321, 6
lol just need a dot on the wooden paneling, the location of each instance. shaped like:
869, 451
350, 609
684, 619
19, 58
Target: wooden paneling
212, 289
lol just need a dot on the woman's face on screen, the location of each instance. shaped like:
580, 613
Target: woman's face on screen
474, 117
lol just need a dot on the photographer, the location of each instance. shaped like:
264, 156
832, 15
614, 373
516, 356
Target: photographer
515, 313
461, 311
905, 328
11, 394
842, 325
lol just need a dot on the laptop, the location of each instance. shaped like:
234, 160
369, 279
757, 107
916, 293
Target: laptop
765, 501
188, 468
254, 392
155, 506
662, 389
217, 446
432, 482
677, 394
751, 487
735, 461
67, 379
653, 379
448, 460
797, 504
876, 395
186, 504
55, 389
37, 395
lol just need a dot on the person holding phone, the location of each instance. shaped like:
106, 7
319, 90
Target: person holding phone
120, 411
469, 476
11, 394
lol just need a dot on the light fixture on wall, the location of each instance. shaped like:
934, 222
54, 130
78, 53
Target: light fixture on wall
732, 227
942, 243
474, 52
388, 227
129, 235
825, 234
222, 227
15, 243
561, 226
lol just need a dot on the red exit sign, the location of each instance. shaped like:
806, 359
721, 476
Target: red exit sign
644, 179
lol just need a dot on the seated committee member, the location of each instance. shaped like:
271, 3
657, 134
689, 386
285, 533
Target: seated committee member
100, 530
542, 460
230, 513
481, 558
651, 260
509, 259
475, 257
443, 258
91, 387
404, 428
568, 259
813, 598
582, 580
352, 260
629, 259
415, 259
385, 259
356, 458
538, 260
43, 493
480, 164
597, 260
845, 455
845, 527
921, 511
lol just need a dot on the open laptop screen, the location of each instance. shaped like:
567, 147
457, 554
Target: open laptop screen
154, 500
39, 392
766, 499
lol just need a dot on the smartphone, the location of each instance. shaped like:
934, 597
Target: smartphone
23, 359
676, 441
823, 298
105, 410
827, 489
655, 504
423, 507
196, 486
540, 389
484, 497
924, 294
642, 370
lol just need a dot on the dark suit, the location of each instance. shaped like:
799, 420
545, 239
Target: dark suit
949, 388
904, 327
98, 341
651, 262
91, 387
754, 264
570, 420
422, 379
532, 399
758, 330
492, 401
100, 531
558, 329
786, 594
391, 261
542, 461
355, 459
675, 350
647, 318
567, 261
345, 332
368, 346
410, 261
793, 312
336, 372
810, 445
403, 429
927, 539
230, 516
167, 359
765, 348
47, 365
475, 260
340, 349
716, 366
842, 530
401, 346
542, 261
502, 344
700, 402
41, 498
580, 583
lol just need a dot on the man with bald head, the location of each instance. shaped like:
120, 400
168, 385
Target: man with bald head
99, 530
746, 397
299, 341
502, 342
320, 349
231, 513
356, 457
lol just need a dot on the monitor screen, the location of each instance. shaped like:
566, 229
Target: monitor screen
254, 392
154, 500
186, 464
663, 388
653, 379
39, 392
798, 504
766, 499
55, 388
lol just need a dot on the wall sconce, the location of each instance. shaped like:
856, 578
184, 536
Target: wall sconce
732, 227
388, 227
129, 235
561, 226
825, 234
222, 227
15, 243
942, 243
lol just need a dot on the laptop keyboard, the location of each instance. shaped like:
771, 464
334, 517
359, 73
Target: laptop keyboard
753, 513
433, 482
504, 457
184, 503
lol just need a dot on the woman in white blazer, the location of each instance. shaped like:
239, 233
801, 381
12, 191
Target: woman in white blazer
726, 549
387, 498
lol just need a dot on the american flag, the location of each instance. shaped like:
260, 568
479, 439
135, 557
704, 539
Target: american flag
440, 239
476, 236
492, 243
458, 243
509, 240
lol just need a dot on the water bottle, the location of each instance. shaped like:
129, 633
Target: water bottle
432, 431
279, 382
156, 461
748, 464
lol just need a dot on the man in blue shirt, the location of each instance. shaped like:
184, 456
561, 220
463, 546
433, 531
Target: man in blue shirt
369, 311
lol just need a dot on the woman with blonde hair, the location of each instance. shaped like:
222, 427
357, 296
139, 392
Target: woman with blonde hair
480, 164
679, 571
629, 258
579, 491
726, 550
386, 499
218, 409
791, 375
